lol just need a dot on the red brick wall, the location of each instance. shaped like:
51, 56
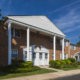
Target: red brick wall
3, 47
35, 39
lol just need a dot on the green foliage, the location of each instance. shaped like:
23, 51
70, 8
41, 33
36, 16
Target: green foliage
26, 64
72, 60
67, 61
63, 63
20, 67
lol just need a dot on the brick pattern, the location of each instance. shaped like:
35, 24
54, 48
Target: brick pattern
3, 47
35, 39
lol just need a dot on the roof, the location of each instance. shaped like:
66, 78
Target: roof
40, 22
67, 40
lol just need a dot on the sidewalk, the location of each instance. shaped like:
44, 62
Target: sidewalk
49, 76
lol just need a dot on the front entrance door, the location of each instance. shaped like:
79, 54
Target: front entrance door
40, 58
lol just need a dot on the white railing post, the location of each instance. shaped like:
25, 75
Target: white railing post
9, 43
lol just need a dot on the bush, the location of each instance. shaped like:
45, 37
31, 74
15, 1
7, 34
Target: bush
72, 60
26, 64
67, 61
63, 63
20, 67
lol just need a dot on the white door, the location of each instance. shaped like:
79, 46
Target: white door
46, 58
41, 59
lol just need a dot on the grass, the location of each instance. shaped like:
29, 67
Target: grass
71, 68
13, 75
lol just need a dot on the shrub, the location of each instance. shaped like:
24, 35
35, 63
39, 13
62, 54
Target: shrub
51, 63
55, 64
26, 64
72, 60
20, 67
67, 61
63, 63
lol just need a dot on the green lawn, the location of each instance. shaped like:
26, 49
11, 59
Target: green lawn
12, 75
71, 68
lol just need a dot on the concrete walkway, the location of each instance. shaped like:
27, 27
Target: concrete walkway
61, 75
47, 67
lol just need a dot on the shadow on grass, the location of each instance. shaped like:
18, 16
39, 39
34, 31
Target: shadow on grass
74, 77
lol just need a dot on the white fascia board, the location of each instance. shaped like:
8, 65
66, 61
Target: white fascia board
34, 27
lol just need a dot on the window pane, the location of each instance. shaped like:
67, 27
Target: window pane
25, 54
34, 55
46, 55
14, 54
17, 33
65, 43
40, 55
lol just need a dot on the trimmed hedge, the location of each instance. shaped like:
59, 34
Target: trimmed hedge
63, 63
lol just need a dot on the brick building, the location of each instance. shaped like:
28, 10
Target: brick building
34, 38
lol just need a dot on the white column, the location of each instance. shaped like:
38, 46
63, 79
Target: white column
9, 43
28, 43
63, 48
54, 48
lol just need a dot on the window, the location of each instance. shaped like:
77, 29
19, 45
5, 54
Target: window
65, 43
73, 47
51, 40
14, 54
25, 54
17, 33
46, 55
40, 55
65, 56
34, 55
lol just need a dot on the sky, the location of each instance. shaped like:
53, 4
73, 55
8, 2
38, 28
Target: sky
64, 13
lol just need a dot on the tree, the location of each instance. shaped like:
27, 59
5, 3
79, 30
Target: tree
78, 43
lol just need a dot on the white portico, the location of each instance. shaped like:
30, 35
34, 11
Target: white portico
38, 23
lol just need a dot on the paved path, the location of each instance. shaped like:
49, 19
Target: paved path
61, 75
47, 67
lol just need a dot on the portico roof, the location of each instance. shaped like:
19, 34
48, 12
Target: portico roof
41, 22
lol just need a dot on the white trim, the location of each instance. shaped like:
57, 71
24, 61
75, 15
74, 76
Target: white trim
54, 48
63, 48
35, 28
9, 43
28, 43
